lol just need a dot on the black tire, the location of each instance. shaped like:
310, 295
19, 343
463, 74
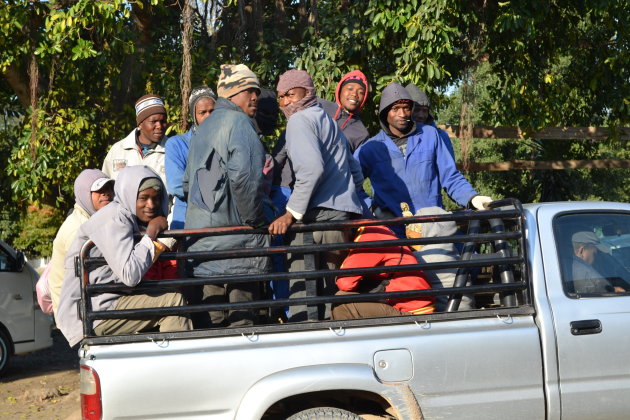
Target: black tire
5, 351
324, 413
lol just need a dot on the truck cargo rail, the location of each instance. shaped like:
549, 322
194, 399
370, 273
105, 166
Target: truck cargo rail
492, 269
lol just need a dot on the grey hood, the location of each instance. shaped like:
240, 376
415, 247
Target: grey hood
391, 94
82, 188
126, 189
420, 98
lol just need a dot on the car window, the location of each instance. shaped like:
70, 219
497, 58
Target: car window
6, 261
594, 253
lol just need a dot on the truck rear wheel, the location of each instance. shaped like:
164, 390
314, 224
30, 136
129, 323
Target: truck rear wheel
324, 413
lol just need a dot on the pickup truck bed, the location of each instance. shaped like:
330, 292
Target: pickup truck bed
506, 358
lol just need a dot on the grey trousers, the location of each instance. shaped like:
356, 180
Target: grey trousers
224, 293
330, 260
168, 323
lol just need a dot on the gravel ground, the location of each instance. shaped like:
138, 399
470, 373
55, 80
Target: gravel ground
42, 385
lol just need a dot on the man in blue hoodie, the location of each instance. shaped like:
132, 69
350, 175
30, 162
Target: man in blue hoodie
200, 105
409, 162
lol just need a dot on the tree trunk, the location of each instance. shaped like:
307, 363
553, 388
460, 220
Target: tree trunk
184, 79
33, 73
465, 120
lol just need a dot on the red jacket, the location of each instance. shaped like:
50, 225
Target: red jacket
395, 255
162, 270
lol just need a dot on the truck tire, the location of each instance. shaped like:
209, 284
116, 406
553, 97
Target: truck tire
5, 351
324, 413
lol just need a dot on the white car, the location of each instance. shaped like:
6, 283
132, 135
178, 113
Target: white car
23, 326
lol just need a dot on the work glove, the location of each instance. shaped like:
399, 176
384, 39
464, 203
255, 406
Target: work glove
159, 248
412, 230
480, 202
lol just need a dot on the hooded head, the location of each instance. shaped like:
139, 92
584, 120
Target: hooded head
420, 99
88, 181
128, 184
392, 94
295, 79
357, 78
197, 94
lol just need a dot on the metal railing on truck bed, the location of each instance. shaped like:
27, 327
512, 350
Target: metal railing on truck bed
492, 268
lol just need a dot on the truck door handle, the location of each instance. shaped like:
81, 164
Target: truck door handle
17, 296
587, 326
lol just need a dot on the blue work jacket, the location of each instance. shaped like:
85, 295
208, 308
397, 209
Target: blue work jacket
175, 164
415, 178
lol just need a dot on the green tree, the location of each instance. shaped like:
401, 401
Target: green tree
70, 71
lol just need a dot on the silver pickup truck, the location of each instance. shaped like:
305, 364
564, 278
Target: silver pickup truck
538, 342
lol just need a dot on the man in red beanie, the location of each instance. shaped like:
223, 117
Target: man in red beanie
145, 144
351, 95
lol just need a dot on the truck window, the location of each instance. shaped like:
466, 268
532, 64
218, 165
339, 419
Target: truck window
594, 253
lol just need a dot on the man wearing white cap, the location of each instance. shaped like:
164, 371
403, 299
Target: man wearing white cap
145, 145
93, 190
587, 279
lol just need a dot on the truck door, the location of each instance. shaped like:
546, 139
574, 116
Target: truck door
587, 270
16, 298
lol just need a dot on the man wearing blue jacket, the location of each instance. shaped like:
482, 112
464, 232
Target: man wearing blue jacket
409, 162
200, 105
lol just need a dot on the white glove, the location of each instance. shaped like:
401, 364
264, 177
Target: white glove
480, 202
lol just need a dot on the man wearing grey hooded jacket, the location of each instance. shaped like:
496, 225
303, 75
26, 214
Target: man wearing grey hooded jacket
140, 204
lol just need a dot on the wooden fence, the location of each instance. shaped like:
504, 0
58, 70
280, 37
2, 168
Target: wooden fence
549, 133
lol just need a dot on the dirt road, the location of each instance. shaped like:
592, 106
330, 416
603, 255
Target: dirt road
42, 385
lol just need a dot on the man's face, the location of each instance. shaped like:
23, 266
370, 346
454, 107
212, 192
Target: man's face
587, 252
247, 100
291, 96
399, 116
351, 96
102, 197
148, 205
421, 113
152, 128
203, 109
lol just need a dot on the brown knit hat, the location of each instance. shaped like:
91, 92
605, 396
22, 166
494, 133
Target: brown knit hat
149, 105
234, 79
295, 78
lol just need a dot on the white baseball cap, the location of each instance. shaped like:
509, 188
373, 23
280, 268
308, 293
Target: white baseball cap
100, 183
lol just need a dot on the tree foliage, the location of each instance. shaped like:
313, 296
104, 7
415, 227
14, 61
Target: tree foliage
72, 69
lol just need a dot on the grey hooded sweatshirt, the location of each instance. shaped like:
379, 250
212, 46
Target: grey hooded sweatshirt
114, 231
